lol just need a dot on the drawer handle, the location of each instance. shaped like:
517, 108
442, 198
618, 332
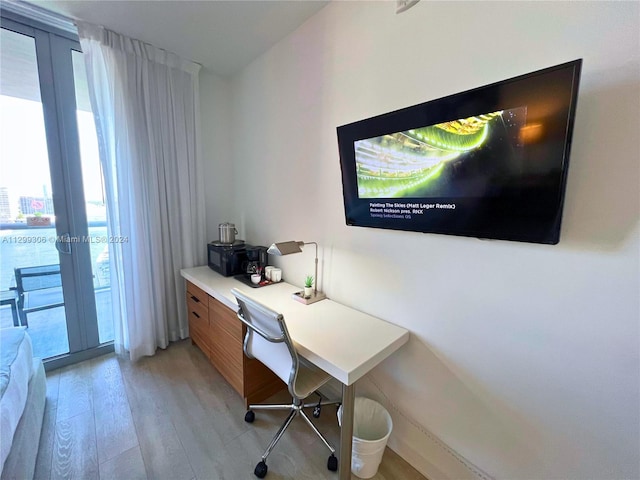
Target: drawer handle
197, 316
195, 299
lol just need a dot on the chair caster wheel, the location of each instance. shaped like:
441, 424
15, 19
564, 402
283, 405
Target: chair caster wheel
332, 463
316, 412
261, 470
249, 417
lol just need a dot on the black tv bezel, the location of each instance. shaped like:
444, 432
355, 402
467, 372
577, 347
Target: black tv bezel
498, 218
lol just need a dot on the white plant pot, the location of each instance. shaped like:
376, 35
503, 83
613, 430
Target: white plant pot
308, 291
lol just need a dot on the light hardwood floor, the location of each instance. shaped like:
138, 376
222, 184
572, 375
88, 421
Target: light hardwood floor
172, 416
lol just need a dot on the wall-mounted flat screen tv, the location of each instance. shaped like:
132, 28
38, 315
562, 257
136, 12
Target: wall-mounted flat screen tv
489, 162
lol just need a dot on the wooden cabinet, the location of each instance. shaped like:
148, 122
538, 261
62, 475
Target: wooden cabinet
198, 312
216, 330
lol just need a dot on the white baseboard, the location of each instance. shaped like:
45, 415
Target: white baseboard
415, 443
433, 458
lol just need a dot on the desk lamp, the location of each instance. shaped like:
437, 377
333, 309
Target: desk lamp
287, 248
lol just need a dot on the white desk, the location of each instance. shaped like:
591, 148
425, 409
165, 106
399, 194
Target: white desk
342, 341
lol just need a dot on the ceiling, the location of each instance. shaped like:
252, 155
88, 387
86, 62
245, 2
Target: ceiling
223, 36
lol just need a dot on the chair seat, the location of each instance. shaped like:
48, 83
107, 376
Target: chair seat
310, 378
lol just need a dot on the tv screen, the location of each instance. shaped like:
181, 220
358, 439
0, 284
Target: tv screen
489, 162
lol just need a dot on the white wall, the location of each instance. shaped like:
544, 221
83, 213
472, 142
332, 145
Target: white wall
524, 359
215, 110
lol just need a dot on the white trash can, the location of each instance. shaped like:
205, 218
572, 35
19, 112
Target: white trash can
372, 426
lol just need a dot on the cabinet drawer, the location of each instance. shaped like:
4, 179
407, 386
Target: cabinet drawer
198, 313
197, 294
225, 319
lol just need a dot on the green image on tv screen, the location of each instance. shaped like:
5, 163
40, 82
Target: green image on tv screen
458, 158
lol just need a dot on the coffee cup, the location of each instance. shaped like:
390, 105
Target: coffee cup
255, 278
276, 275
267, 271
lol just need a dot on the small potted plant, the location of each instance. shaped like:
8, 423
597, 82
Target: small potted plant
308, 286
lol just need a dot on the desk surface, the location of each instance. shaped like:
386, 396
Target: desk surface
342, 341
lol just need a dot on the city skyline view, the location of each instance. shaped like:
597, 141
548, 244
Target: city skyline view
25, 184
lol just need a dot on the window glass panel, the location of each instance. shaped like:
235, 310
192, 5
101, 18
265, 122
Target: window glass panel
27, 217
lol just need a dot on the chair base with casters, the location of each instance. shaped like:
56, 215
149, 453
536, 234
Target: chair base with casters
296, 408
268, 340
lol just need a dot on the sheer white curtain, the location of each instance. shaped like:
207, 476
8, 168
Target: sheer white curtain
145, 103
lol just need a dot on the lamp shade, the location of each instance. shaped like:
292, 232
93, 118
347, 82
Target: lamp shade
285, 248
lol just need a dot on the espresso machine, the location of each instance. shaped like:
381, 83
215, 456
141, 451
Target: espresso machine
256, 259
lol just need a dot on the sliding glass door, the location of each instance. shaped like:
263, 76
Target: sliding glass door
54, 258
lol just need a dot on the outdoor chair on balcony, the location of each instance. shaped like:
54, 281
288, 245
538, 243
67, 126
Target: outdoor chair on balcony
39, 288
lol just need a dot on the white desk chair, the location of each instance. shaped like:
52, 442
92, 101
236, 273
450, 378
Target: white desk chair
268, 340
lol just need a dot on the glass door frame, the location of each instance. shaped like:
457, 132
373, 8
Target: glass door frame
53, 52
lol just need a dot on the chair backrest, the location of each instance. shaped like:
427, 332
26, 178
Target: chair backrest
268, 339
37, 278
